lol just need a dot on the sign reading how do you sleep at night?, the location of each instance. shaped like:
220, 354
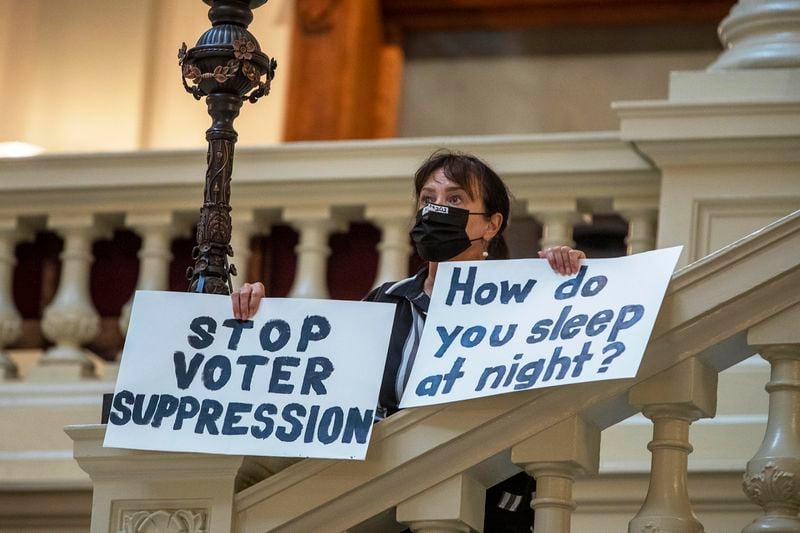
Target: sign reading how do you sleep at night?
502, 326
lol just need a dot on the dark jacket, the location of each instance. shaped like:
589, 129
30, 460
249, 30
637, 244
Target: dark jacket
411, 302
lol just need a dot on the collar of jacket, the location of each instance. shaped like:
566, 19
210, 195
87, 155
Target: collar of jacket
412, 289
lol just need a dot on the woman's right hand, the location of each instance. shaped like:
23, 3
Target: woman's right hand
246, 298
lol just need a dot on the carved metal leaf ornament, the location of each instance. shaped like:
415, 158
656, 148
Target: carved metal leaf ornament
181, 53
243, 48
217, 226
250, 70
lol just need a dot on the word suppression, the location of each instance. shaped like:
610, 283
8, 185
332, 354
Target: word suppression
212, 417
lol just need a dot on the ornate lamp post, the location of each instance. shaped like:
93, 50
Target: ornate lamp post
227, 67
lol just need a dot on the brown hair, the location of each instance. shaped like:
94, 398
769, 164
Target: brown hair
474, 176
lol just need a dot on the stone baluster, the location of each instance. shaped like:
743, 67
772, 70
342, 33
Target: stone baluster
760, 34
70, 320
156, 230
394, 247
10, 319
554, 458
454, 505
772, 478
672, 399
557, 218
315, 225
244, 227
641, 231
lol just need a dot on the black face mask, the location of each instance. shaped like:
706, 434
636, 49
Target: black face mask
440, 232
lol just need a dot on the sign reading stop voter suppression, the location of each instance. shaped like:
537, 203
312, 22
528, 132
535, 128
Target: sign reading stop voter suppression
504, 326
300, 379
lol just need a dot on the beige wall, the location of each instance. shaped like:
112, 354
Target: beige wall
78, 76
532, 94
541, 80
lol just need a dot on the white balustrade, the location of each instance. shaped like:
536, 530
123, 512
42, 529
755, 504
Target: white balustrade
315, 225
641, 225
10, 319
557, 217
554, 458
760, 34
156, 230
672, 400
453, 506
394, 248
71, 319
244, 228
772, 478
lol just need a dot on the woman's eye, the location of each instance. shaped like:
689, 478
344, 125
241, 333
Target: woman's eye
455, 200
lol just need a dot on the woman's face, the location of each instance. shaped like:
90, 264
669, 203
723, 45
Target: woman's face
439, 189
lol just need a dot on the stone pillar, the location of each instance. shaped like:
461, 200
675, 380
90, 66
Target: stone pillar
672, 399
315, 225
554, 458
245, 227
454, 505
394, 248
71, 319
772, 478
557, 217
760, 34
641, 229
156, 231
10, 319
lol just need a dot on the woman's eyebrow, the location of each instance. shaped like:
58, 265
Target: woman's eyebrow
453, 188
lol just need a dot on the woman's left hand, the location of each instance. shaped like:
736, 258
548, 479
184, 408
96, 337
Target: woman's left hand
563, 259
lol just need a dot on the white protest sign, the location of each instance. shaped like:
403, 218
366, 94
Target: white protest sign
501, 326
300, 379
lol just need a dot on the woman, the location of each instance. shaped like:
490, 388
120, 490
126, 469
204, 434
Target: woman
459, 183
463, 209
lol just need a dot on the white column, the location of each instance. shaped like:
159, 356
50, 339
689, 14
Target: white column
641, 230
772, 478
455, 505
554, 458
10, 319
315, 225
156, 230
394, 248
760, 34
672, 400
71, 319
557, 217
245, 226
